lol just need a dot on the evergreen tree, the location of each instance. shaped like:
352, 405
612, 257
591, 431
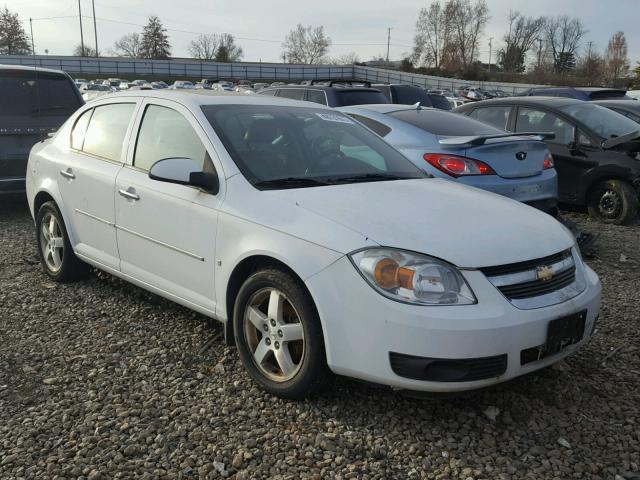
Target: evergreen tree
155, 41
13, 39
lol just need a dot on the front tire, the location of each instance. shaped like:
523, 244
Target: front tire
54, 248
279, 337
613, 201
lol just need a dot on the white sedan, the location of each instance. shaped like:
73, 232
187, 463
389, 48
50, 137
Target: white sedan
321, 248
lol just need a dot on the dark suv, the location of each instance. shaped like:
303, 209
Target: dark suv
33, 103
579, 93
332, 94
410, 95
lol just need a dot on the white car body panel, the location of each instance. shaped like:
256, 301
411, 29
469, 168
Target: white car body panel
184, 245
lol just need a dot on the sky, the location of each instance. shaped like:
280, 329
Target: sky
260, 26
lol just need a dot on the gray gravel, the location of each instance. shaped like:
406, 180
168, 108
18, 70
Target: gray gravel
100, 379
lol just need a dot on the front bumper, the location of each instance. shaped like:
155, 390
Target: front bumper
362, 328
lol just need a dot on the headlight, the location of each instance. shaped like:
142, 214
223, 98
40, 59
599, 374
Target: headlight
412, 278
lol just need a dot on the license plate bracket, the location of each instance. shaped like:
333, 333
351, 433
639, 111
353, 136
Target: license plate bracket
563, 332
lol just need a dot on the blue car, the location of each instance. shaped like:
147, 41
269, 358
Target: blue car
461, 149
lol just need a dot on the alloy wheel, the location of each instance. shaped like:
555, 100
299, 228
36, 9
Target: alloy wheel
52, 242
274, 334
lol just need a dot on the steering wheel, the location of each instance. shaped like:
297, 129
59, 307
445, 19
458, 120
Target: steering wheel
325, 151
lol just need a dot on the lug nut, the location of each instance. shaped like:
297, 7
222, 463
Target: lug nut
265, 327
267, 341
273, 322
280, 333
277, 344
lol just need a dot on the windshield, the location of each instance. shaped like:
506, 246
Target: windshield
287, 147
602, 121
447, 124
359, 97
32, 93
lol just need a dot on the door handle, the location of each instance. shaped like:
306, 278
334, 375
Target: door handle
68, 173
130, 193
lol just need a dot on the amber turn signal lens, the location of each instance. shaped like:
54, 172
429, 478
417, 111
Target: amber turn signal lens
405, 277
386, 273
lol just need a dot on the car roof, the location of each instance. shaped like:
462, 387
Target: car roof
31, 69
553, 102
197, 98
326, 87
628, 104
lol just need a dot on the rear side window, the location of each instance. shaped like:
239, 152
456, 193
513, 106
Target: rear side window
380, 128
292, 93
530, 120
439, 101
316, 96
107, 129
79, 129
359, 97
165, 133
36, 94
494, 116
409, 95
440, 122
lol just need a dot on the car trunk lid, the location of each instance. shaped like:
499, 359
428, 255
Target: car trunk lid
511, 159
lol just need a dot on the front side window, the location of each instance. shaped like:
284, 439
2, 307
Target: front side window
107, 129
165, 133
275, 145
531, 120
494, 116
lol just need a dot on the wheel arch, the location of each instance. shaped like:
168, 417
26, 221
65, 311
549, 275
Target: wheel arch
46, 195
243, 270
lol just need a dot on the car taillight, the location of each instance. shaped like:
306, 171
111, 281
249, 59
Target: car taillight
458, 166
548, 161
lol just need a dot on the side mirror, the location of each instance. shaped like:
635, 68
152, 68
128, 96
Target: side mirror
184, 171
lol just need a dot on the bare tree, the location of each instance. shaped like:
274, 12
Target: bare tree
345, 59
467, 24
13, 39
617, 61
222, 48
591, 66
563, 36
128, 46
306, 45
433, 33
88, 51
523, 33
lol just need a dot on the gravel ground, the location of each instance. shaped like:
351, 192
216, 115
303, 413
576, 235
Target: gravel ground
100, 379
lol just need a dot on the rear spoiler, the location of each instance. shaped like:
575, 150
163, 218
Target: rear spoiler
475, 140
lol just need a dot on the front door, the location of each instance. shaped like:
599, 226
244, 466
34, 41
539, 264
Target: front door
87, 177
166, 232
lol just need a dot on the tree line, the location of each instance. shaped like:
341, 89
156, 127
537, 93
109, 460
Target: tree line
448, 41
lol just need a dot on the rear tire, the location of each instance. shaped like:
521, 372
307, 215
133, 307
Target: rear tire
279, 337
613, 201
54, 248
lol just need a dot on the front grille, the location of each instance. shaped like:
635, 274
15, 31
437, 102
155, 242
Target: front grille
539, 287
447, 370
523, 280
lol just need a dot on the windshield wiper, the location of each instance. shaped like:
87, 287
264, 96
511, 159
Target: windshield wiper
368, 177
288, 182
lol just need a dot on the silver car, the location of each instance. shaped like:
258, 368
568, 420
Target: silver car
458, 148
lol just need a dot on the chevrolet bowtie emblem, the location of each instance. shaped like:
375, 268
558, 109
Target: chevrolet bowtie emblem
544, 273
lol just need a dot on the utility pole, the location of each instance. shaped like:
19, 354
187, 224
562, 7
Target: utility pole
490, 46
388, 42
539, 53
33, 48
95, 27
81, 36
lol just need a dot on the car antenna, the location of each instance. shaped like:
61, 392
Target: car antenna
418, 106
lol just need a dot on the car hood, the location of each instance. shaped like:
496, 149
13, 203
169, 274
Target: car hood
463, 225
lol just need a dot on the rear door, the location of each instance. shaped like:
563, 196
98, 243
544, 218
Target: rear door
167, 232
87, 177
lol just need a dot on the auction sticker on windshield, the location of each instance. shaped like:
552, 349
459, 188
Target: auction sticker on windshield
334, 117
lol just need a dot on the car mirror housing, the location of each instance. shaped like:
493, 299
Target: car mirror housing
184, 171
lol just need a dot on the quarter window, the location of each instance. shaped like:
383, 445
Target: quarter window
165, 133
79, 129
107, 129
380, 128
316, 96
530, 120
